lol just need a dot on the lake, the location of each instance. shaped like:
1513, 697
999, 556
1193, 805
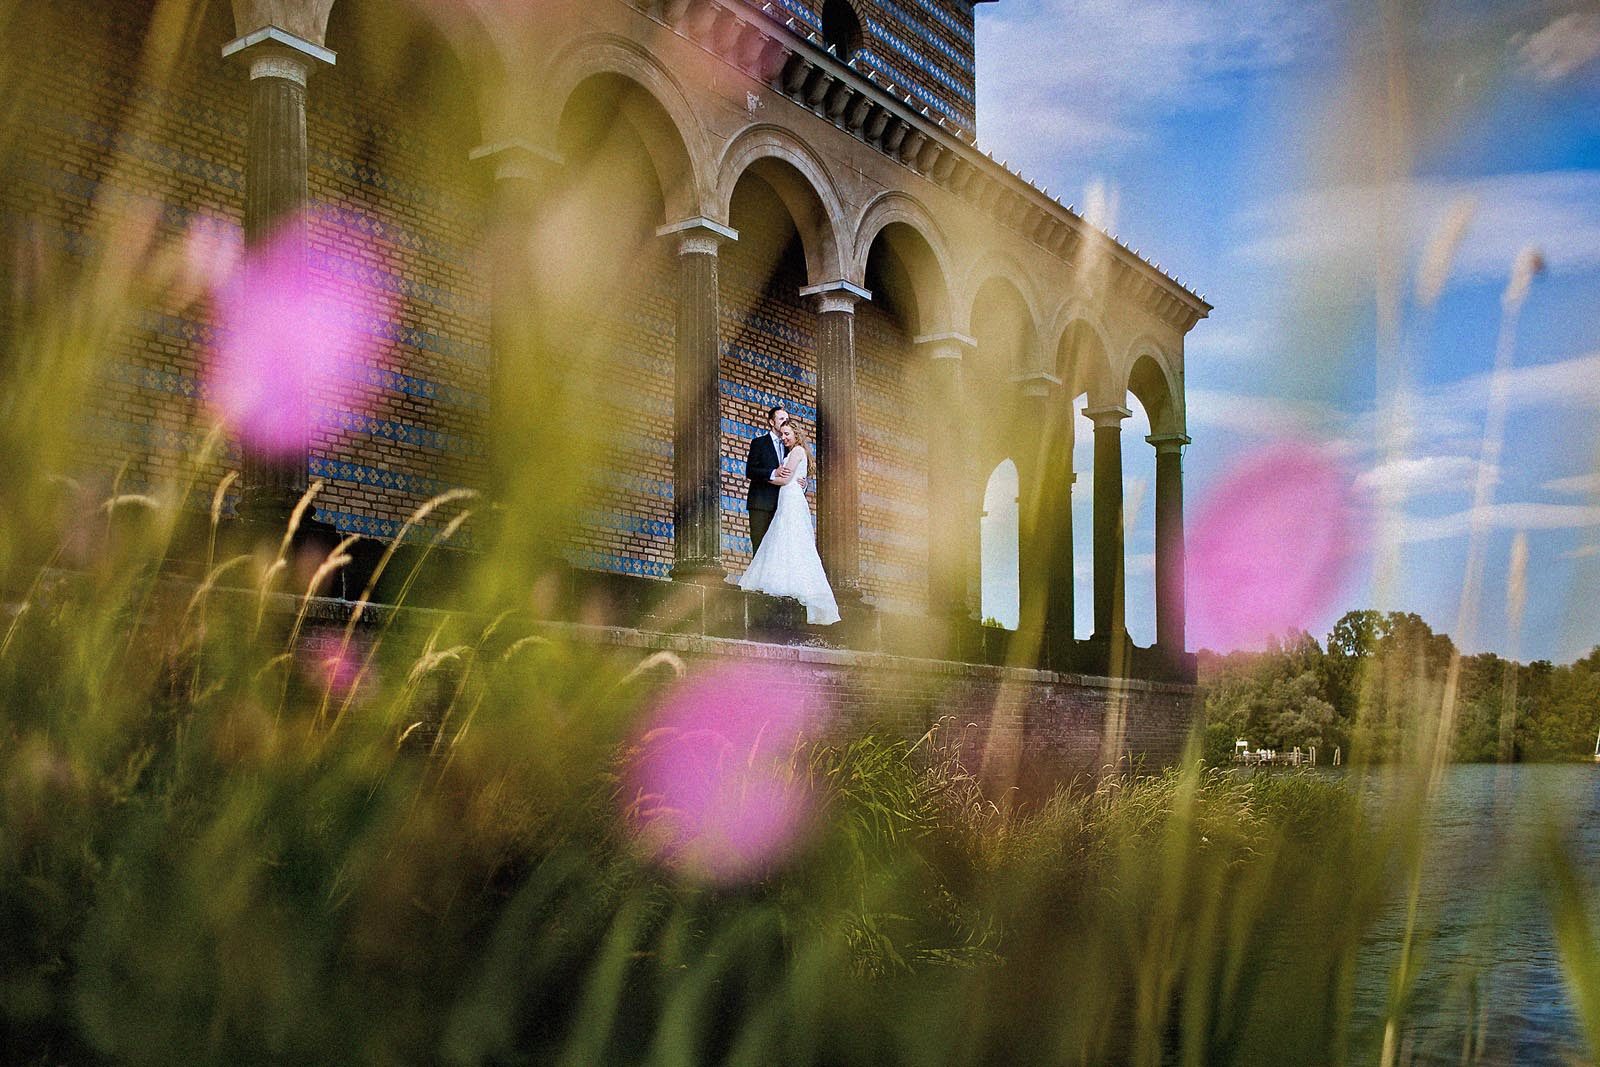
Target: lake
1490, 987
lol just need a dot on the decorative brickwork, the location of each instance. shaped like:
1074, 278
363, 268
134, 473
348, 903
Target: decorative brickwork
893, 391
93, 143
627, 527
397, 219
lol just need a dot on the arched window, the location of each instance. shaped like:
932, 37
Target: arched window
841, 29
1001, 597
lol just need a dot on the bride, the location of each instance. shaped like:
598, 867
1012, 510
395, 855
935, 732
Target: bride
787, 563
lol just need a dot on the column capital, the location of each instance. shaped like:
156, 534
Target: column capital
1107, 418
1037, 383
947, 345
275, 53
1168, 443
836, 295
698, 236
516, 158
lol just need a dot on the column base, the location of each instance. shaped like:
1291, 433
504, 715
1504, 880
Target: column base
700, 572
1108, 654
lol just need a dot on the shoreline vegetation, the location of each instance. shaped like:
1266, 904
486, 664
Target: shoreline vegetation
1377, 688
432, 847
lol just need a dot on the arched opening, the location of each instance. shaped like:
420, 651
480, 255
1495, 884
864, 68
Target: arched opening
1003, 329
894, 427
1081, 364
768, 330
1151, 403
608, 285
841, 29
1001, 600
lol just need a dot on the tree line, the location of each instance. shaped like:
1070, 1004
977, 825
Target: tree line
1384, 686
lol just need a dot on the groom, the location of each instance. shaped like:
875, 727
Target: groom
765, 460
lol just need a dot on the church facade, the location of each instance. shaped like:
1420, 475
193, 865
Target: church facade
696, 210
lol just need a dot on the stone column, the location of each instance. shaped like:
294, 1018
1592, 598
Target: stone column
838, 450
522, 172
276, 192
697, 404
1039, 474
1109, 610
1170, 610
952, 516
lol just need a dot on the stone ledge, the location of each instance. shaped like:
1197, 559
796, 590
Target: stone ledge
696, 644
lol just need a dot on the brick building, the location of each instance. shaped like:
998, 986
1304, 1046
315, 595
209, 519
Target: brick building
687, 210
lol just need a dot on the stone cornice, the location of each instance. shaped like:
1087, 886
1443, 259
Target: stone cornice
839, 295
516, 158
949, 345
1107, 417
791, 59
273, 39
698, 236
1169, 442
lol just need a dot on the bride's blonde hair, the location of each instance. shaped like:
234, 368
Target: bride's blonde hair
803, 440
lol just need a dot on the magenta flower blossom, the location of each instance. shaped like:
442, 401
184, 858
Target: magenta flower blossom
1270, 547
713, 792
327, 660
289, 345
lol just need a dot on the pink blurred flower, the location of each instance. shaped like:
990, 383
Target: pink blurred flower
712, 791
288, 345
211, 249
339, 668
1270, 547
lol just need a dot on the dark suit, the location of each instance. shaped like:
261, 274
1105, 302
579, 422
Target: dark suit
762, 499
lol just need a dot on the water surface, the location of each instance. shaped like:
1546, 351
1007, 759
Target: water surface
1489, 987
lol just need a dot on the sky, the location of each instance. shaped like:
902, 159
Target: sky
1352, 187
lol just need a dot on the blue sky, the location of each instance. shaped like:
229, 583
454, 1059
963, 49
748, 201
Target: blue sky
1297, 164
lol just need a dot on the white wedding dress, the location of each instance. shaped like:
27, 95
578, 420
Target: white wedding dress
787, 563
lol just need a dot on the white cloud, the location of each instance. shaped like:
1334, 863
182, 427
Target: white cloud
1222, 343
1519, 516
1259, 416
1583, 552
1578, 484
1420, 475
1348, 226
1123, 65
1561, 48
1569, 383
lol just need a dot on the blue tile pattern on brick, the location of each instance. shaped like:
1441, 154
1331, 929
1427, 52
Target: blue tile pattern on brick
945, 19
931, 99
921, 62
589, 559
750, 357
386, 529
336, 469
766, 400
801, 12
633, 524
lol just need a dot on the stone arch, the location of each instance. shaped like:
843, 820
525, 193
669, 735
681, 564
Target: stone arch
801, 180
999, 550
1081, 355
989, 266
1150, 378
917, 241
660, 113
1003, 322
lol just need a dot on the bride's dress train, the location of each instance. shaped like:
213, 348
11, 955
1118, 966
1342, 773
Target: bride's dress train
787, 563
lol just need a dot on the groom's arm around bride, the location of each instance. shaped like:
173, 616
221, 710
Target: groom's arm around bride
762, 460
